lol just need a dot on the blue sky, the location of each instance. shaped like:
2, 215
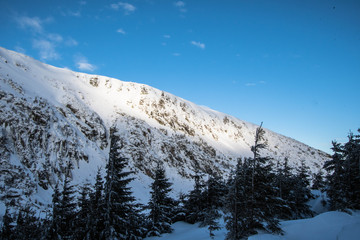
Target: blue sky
292, 64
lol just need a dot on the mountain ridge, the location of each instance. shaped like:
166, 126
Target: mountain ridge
51, 115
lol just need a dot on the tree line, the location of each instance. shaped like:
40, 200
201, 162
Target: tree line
257, 195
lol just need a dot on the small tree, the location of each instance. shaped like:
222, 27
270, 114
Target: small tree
161, 205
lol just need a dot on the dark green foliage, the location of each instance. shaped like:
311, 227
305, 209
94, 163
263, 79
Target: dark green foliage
161, 205
28, 225
83, 221
67, 209
7, 230
97, 208
318, 181
194, 203
343, 180
255, 202
119, 206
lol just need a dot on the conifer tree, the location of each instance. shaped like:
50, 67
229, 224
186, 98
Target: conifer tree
7, 229
259, 202
335, 184
83, 218
118, 200
343, 180
161, 205
27, 226
194, 203
214, 195
67, 207
97, 207
54, 230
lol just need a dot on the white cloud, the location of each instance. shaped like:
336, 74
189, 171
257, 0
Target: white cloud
70, 42
82, 64
176, 54
34, 24
250, 84
120, 30
74, 14
179, 4
54, 37
127, 7
46, 49
82, 2
198, 44
167, 36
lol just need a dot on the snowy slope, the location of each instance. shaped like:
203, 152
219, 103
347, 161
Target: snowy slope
50, 115
326, 226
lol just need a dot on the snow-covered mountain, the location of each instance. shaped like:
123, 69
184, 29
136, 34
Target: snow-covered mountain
50, 115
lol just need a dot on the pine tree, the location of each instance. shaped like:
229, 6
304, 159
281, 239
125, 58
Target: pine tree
318, 181
194, 203
7, 229
351, 156
54, 230
161, 205
335, 184
118, 202
27, 227
237, 200
255, 197
83, 218
343, 180
97, 208
67, 208
214, 194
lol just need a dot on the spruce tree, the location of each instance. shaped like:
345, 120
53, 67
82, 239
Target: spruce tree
97, 207
214, 195
343, 180
194, 204
256, 201
335, 183
7, 229
118, 200
28, 225
83, 218
161, 205
67, 207
55, 222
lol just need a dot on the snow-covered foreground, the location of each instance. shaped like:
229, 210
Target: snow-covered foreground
326, 226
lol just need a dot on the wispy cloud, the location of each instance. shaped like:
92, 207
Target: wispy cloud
35, 24
46, 49
82, 2
181, 6
70, 42
167, 36
83, 64
176, 54
198, 44
121, 31
54, 37
253, 84
126, 7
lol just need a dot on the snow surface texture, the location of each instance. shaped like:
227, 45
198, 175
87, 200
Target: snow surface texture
326, 226
49, 116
